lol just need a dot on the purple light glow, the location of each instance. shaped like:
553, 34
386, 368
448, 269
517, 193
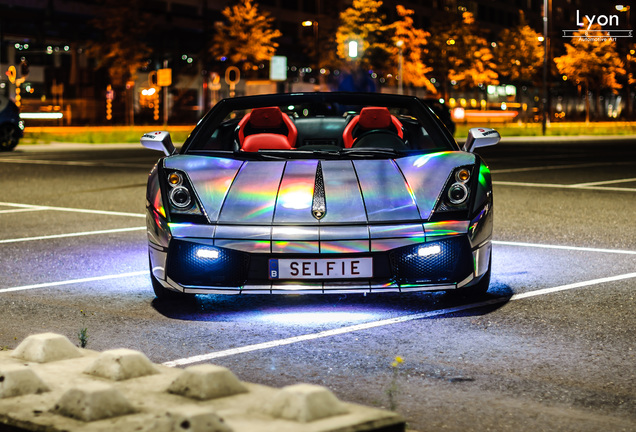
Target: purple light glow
315, 317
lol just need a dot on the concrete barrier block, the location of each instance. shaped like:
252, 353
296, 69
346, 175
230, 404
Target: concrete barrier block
121, 364
303, 403
204, 382
93, 401
114, 396
18, 380
46, 347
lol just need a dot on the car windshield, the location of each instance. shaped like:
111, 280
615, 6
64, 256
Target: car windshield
331, 125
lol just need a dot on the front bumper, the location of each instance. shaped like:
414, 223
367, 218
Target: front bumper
178, 267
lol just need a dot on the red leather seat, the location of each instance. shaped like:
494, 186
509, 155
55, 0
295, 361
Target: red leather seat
370, 118
267, 128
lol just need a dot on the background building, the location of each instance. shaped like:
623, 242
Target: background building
49, 38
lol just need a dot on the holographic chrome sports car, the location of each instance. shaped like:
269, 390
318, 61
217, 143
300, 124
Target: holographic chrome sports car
319, 193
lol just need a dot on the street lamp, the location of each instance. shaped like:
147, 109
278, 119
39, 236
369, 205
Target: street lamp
353, 49
547, 5
628, 104
314, 25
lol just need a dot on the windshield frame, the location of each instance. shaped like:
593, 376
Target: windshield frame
220, 112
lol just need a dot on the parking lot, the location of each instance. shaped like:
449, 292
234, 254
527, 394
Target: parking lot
551, 347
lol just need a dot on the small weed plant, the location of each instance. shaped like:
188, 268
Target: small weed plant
82, 335
392, 391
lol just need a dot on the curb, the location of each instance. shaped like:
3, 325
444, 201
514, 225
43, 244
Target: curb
49, 385
558, 139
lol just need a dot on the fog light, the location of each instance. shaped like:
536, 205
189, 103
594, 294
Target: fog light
207, 253
180, 197
457, 193
425, 251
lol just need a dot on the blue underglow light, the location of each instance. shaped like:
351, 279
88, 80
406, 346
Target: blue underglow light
314, 317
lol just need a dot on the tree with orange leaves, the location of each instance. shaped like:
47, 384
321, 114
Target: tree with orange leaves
412, 41
591, 63
363, 23
461, 56
519, 54
471, 60
246, 37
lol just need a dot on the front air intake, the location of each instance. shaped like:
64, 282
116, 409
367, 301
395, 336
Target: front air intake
443, 261
202, 265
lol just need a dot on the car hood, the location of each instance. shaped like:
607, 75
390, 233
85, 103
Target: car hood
310, 192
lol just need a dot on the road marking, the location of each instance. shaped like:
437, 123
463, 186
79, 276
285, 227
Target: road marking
628, 180
573, 286
74, 281
68, 209
555, 167
76, 163
391, 321
77, 234
562, 186
572, 248
341, 330
21, 210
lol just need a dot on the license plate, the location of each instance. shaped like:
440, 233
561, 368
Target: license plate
321, 268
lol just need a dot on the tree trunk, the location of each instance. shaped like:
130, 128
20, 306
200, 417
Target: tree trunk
587, 104
597, 103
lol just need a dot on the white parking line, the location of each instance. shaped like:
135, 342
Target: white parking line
628, 180
556, 167
572, 248
21, 210
381, 323
76, 234
562, 186
75, 163
73, 281
68, 209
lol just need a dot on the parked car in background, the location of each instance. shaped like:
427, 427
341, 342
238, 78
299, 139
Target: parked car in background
11, 127
319, 193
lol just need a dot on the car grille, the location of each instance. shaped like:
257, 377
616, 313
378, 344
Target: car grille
184, 266
452, 263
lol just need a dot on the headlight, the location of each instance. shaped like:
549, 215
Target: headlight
457, 193
180, 197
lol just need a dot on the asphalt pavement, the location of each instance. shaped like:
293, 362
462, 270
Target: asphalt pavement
552, 347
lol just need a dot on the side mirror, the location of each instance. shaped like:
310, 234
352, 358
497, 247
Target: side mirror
159, 141
481, 137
